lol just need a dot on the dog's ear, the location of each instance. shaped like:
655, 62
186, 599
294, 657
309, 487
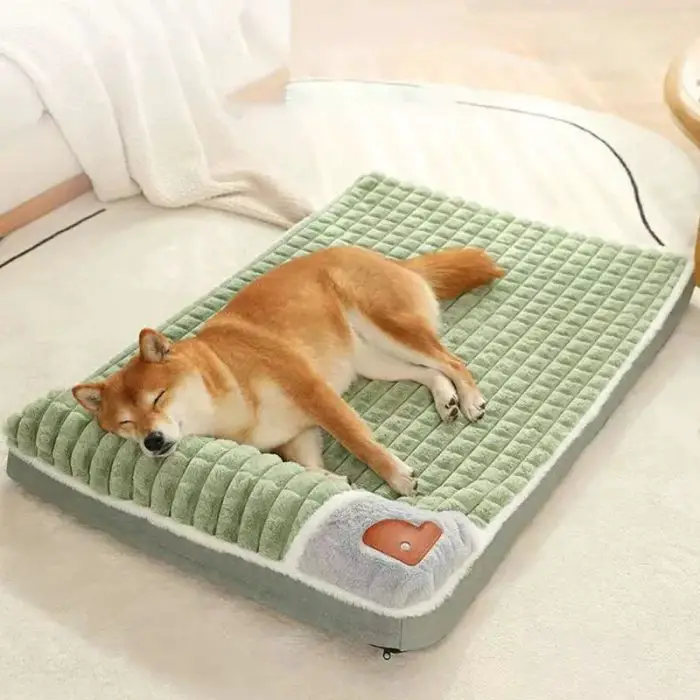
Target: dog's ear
154, 346
89, 396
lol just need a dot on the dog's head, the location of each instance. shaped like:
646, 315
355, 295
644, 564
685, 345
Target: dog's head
144, 401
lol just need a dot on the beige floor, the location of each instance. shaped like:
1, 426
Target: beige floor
609, 55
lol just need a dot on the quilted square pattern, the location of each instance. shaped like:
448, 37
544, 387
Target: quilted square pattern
544, 342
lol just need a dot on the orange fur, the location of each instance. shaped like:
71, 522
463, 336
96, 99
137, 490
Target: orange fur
273, 363
452, 272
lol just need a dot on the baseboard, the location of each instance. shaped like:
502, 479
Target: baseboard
44, 203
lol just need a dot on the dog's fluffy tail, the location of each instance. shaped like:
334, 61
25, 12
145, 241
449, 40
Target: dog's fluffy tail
453, 272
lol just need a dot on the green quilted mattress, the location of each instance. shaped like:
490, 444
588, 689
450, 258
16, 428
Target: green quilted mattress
553, 345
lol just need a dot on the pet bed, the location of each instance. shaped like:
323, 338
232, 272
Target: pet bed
554, 345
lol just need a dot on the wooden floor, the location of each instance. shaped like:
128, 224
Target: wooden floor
609, 55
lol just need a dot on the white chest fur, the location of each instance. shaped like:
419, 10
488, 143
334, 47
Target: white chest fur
280, 419
192, 406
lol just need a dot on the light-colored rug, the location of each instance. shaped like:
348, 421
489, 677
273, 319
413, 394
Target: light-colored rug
597, 596
607, 55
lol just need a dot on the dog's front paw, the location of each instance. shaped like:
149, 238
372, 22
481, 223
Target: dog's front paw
402, 480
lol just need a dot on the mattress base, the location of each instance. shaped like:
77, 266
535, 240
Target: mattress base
293, 597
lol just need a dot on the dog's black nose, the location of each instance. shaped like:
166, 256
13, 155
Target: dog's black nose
154, 442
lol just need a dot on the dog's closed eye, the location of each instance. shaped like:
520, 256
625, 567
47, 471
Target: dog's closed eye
158, 398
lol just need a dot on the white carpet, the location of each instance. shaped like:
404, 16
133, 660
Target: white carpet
599, 596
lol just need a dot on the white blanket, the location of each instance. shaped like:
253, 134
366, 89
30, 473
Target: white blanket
131, 86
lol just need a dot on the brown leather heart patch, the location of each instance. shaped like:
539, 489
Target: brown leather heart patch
401, 540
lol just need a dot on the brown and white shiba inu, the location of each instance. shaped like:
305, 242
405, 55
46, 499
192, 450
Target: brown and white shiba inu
269, 369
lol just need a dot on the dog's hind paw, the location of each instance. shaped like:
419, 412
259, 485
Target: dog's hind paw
474, 406
449, 410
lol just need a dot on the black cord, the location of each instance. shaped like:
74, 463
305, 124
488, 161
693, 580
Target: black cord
597, 137
541, 115
5, 263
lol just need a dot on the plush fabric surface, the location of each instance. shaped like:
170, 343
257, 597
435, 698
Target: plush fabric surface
543, 342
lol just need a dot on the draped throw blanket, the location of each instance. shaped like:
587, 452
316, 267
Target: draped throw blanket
132, 87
